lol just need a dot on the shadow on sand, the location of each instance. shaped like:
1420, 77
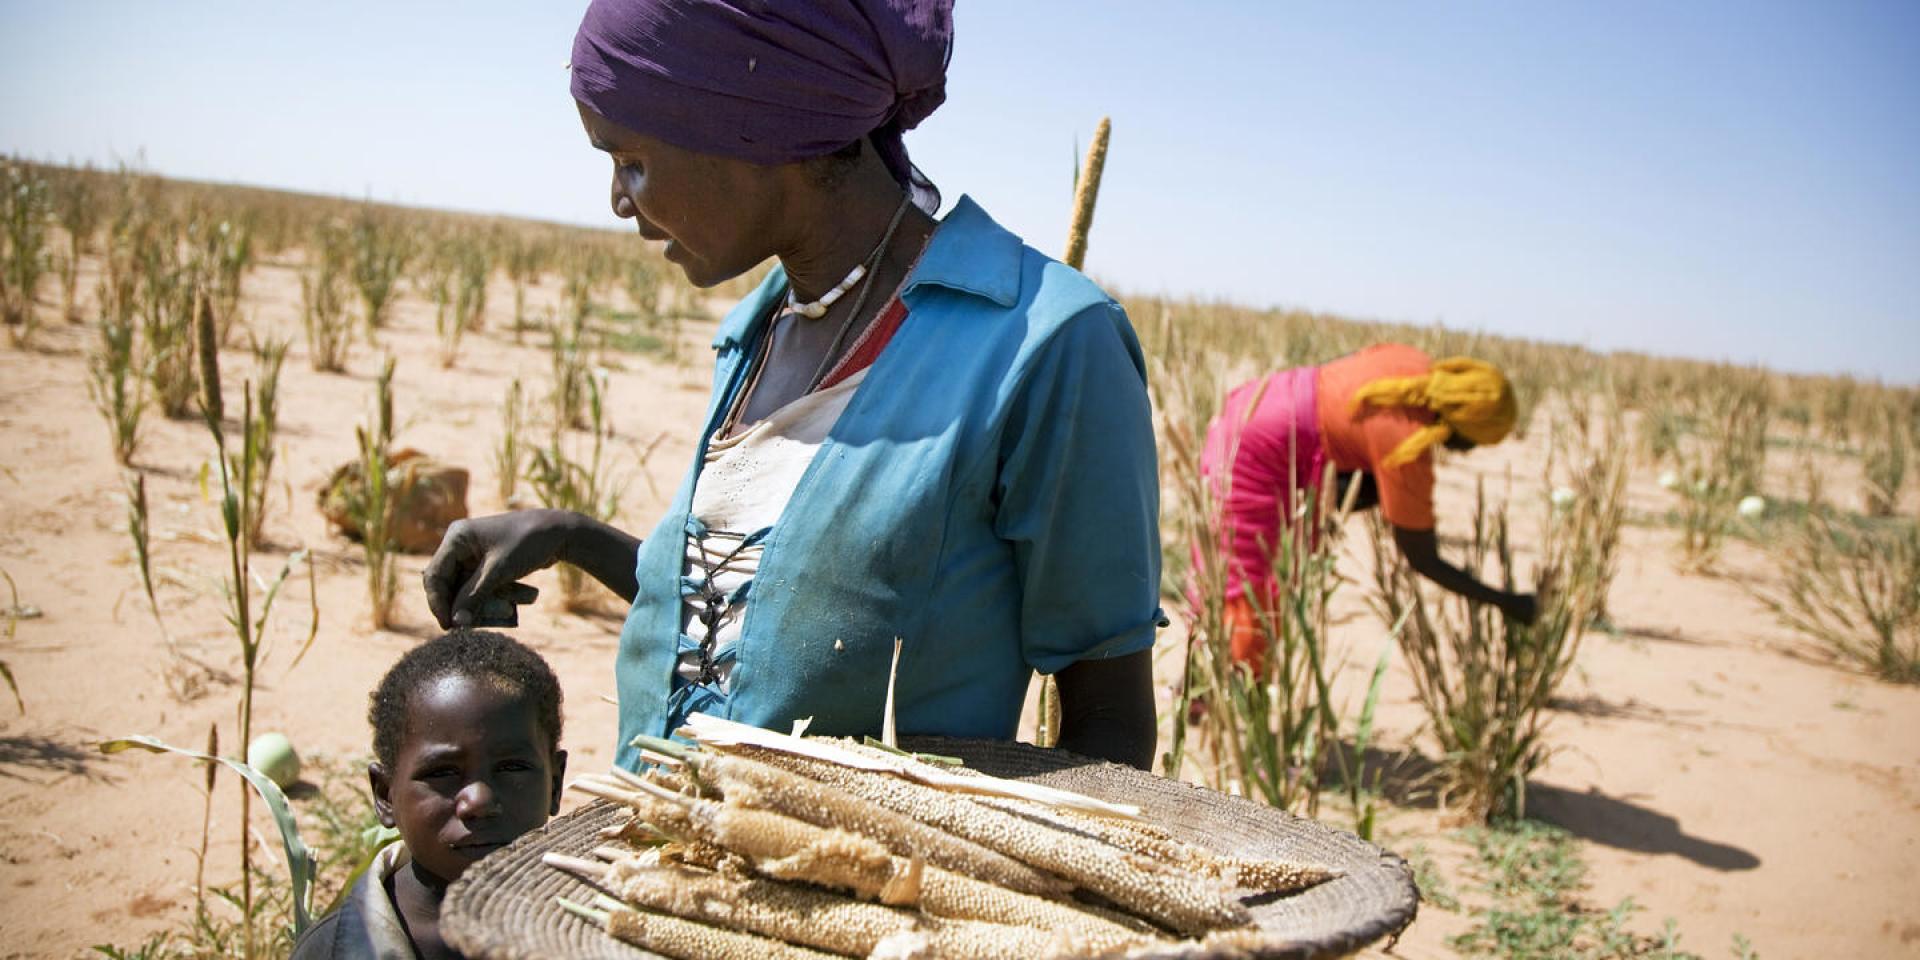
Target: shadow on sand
1625, 825
20, 754
1409, 779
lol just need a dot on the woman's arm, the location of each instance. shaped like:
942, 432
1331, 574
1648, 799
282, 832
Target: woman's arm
1422, 552
1079, 501
1106, 709
482, 556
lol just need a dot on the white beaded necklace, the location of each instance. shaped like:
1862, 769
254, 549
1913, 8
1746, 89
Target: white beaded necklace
814, 310
765, 349
853, 315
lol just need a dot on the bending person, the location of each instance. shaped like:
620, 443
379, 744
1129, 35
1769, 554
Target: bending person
1376, 414
919, 429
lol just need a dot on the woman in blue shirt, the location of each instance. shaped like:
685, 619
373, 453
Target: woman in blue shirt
920, 429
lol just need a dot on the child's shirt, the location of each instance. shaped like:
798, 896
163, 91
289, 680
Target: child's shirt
367, 926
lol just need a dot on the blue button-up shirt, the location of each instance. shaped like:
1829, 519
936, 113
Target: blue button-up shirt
989, 496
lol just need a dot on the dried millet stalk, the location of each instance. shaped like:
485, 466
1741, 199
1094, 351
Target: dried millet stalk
684, 939
1149, 840
1183, 902
751, 782
786, 848
805, 915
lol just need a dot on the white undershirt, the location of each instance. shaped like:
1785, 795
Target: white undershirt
744, 485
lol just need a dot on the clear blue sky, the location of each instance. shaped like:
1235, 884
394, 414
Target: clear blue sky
1731, 180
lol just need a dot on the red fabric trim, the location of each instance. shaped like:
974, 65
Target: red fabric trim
867, 349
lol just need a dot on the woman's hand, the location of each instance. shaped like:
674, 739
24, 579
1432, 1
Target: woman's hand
1523, 607
483, 556
1422, 552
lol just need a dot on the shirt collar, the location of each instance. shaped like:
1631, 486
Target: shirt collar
969, 253
370, 920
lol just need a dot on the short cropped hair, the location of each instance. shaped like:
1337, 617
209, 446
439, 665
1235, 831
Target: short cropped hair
461, 653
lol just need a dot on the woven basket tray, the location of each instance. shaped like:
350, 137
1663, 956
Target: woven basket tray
503, 908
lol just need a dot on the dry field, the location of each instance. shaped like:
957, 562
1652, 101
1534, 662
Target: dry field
1707, 762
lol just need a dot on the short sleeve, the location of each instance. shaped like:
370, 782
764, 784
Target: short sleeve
1078, 495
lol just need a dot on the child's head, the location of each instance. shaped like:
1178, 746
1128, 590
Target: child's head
466, 740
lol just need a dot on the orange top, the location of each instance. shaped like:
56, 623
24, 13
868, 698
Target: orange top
1362, 441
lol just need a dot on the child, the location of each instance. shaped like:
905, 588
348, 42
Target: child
466, 739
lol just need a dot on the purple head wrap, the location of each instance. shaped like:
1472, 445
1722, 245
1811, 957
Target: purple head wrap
766, 81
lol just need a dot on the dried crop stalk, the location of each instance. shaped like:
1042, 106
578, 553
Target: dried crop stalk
787, 848
1180, 901
686, 939
946, 894
808, 916
780, 847
1247, 873
716, 733
751, 782
1085, 193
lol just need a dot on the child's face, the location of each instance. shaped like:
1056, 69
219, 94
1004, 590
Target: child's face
474, 771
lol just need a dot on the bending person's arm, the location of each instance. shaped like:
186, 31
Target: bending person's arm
482, 556
1422, 552
1106, 709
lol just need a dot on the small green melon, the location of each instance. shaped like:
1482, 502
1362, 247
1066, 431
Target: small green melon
273, 755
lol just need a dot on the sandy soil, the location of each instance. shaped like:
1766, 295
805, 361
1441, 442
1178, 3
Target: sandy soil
1717, 775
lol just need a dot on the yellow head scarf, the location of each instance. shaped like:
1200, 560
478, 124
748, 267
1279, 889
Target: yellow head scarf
1467, 396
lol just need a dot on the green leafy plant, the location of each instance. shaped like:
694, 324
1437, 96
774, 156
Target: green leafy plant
228, 250
1589, 451
376, 513
1719, 460
25, 210
1853, 590
236, 506
1265, 730
581, 277
300, 864
471, 269
342, 835
381, 249
114, 381
118, 291
510, 453
525, 260
1484, 679
262, 431
1533, 874
448, 327
569, 354
1884, 465
169, 285
1428, 878
642, 280
139, 529
78, 210
1363, 793
343, 822
323, 305
563, 479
